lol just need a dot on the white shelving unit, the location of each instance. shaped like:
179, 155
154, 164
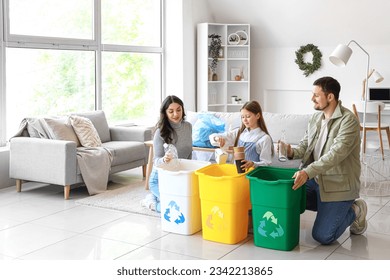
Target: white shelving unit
235, 59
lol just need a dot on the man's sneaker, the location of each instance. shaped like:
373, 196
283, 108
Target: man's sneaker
359, 226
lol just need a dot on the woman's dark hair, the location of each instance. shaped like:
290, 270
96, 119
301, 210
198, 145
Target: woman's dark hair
166, 130
255, 108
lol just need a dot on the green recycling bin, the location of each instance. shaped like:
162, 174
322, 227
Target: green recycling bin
276, 207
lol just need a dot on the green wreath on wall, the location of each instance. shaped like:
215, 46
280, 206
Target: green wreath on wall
307, 67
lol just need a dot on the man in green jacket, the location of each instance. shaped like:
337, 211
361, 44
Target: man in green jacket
330, 153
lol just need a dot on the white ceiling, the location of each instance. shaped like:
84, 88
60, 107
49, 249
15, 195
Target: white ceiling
291, 23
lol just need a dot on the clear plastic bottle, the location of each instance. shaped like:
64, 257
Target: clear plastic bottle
171, 151
282, 147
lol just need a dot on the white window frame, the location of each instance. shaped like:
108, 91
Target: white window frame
2, 82
24, 41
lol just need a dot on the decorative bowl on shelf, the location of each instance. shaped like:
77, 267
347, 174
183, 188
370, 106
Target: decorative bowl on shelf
243, 37
233, 39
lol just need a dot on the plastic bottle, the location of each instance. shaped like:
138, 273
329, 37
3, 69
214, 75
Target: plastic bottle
282, 147
171, 151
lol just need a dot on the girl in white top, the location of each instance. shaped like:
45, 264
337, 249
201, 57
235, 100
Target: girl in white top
253, 135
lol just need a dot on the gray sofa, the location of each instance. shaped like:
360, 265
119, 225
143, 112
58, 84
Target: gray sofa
294, 125
54, 161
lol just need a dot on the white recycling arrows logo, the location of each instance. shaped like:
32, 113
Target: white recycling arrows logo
269, 227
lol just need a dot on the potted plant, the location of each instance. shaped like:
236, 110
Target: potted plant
214, 52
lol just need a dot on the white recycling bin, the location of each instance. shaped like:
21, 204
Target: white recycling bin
179, 197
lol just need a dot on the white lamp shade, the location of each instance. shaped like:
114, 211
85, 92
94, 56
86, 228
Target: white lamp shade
377, 77
341, 55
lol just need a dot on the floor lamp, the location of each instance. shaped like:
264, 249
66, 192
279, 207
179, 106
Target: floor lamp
340, 57
377, 79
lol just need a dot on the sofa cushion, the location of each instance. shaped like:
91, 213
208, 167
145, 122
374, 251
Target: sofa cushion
61, 129
85, 131
191, 117
232, 120
36, 128
294, 125
124, 151
99, 120
291, 163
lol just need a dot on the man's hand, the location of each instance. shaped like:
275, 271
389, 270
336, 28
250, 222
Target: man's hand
300, 179
290, 151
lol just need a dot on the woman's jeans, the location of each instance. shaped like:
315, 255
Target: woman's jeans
332, 219
153, 187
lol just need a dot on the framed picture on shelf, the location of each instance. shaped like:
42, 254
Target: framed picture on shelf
234, 72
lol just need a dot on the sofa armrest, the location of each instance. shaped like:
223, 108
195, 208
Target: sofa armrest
43, 160
132, 133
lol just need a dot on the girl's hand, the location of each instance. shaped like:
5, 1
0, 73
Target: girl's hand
247, 164
221, 141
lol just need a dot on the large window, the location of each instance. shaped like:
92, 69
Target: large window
48, 82
80, 55
130, 82
52, 18
133, 23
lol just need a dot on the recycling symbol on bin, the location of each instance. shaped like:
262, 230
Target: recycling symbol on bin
215, 220
173, 214
269, 227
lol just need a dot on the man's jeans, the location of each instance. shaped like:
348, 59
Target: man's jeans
332, 219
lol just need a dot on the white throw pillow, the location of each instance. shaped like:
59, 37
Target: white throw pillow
60, 129
86, 131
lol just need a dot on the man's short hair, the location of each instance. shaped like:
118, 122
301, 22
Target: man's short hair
329, 85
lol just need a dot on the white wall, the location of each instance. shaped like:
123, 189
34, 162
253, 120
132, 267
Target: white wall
272, 66
182, 16
200, 13
275, 70
181, 19
174, 42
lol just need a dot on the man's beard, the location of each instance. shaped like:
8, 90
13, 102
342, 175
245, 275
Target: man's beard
321, 109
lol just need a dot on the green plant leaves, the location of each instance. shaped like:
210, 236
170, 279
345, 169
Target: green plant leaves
307, 67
